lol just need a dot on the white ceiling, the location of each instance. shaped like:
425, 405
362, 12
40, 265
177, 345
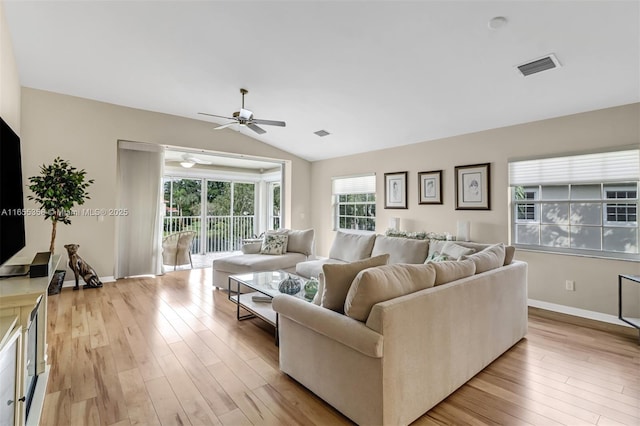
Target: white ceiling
373, 74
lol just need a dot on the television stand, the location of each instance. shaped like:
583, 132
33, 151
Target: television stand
7, 271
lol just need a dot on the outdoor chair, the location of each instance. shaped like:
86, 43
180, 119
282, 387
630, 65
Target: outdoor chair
176, 249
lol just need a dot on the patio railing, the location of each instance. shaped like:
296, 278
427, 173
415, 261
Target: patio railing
216, 234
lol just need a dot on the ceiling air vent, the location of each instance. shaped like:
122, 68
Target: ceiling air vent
549, 62
321, 133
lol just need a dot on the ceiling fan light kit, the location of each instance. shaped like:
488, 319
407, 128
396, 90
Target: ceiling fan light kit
244, 117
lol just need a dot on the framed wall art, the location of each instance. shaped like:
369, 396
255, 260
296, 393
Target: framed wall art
430, 187
473, 190
395, 190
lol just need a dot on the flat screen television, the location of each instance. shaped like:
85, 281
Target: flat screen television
12, 233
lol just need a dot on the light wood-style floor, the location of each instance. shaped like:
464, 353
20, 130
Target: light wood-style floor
169, 351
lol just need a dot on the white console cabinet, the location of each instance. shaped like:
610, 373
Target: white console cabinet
18, 298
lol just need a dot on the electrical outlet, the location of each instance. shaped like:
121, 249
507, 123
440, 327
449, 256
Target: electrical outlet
570, 285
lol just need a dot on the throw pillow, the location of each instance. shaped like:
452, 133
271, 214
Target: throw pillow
453, 270
376, 285
509, 253
280, 231
274, 244
452, 250
437, 257
338, 278
435, 246
455, 251
251, 248
489, 258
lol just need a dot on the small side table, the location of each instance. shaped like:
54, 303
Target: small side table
635, 279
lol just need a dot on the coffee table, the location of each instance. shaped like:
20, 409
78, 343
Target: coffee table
265, 285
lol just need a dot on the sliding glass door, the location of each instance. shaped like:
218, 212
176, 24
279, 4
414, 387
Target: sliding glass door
221, 212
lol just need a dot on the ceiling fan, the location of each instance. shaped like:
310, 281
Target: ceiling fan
189, 161
244, 117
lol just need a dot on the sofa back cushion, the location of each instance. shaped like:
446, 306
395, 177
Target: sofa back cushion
489, 258
453, 270
401, 250
351, 246
300, 241
376, 285
338, 278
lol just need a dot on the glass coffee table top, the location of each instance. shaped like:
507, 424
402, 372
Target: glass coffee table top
267, 282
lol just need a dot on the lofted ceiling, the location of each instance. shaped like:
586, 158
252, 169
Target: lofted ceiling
374, 74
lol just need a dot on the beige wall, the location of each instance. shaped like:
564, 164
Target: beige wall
86, 132
595, 279
9, 81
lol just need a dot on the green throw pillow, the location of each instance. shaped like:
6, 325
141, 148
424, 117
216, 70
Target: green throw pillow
437, 257
274, 244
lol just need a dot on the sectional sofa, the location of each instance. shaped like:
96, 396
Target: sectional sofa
405, 336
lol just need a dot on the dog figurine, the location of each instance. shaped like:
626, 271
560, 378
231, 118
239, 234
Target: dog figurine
82, 268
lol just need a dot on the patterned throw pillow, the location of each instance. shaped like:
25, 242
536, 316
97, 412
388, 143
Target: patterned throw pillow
274, 244
437, 257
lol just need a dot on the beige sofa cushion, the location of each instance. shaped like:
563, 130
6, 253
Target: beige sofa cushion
401, 250
338, 278
453, 270
489, 258
351, 246
376, 285
300, 241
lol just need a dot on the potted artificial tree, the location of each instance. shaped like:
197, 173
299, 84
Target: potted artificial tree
57, 189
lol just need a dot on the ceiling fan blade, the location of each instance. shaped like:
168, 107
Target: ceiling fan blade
213, 115
269, 122
224, 126
256, 129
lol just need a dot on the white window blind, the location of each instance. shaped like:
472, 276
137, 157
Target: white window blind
354, 185
587, 168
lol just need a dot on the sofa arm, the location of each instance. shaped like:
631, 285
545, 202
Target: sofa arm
333, 325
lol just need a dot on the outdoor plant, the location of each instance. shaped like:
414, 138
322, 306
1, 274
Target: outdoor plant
57, 189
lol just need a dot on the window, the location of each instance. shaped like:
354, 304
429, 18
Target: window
583, 204
355, 202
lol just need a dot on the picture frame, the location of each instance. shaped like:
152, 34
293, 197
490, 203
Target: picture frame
430, 187
473, 187
395, 190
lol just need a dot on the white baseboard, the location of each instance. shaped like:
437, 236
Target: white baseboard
72, 283
577, 312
